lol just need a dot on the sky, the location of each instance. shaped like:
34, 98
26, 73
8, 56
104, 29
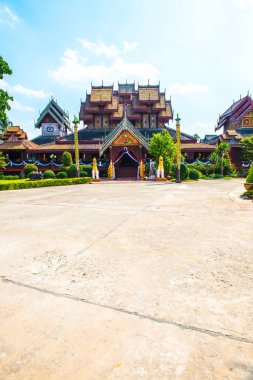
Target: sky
199, 50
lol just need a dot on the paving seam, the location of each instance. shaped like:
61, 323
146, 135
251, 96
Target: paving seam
129, 312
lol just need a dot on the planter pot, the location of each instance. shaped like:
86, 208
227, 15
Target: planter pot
248, 186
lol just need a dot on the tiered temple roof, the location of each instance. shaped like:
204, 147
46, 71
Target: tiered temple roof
15, 138
145, 106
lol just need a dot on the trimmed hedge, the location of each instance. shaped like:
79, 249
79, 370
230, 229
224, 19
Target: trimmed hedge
44, 183
10, 177
83, 174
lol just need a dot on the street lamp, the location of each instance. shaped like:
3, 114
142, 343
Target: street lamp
178, 149
76, 122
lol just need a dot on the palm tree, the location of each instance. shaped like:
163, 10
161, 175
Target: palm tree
222, 149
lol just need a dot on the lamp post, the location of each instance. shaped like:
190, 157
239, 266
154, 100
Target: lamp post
178, 149
76, 122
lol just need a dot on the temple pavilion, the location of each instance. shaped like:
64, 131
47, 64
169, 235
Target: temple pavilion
236, 123
116, 124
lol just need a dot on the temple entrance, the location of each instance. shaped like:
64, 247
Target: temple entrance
126, 166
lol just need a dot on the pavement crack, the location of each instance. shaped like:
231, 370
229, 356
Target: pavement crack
129, 312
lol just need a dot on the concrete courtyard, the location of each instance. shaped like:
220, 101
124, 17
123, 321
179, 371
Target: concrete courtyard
127, 281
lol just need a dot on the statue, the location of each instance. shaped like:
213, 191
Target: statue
142, 170
95, 172
160, 169
111, 170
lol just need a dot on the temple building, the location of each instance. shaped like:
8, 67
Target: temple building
117, 126
237, 123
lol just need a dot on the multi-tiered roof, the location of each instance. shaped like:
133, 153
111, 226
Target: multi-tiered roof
145, 107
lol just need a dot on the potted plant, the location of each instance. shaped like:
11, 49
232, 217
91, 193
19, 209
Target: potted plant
249, 180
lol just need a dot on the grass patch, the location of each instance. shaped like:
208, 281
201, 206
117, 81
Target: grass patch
29, 184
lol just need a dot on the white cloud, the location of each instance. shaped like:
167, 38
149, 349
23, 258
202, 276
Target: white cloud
100, 48
244, 4
27, 124
75, 71
15, 105
12, 15
19, 89
188, 89
127, 46
39, 94
4, 85
8, 17
200, 128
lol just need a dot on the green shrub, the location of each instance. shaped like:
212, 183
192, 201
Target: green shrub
66, 159
194, 174
44, 183
48, 174
249, 178
30, 168
61, 175
183, 171
83, 174
10, 177
86, 168
248, 194
64, 169
71, 171
30, 175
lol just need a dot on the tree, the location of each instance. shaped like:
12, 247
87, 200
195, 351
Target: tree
214, 159
162, 144
66, 159
197, 137
2, 161
4, 96
247, 148
223, 149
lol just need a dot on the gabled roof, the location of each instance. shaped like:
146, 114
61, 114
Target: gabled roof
57, 113
235, 112
18, 145
124, 125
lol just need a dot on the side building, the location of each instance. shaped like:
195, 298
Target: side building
236, 123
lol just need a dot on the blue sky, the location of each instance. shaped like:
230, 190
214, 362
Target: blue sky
199, 50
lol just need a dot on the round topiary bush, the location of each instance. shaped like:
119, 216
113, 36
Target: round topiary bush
194, 174
66, 159
30, 168
83, 174
48, 174
249, 178
71, 171
61, 175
